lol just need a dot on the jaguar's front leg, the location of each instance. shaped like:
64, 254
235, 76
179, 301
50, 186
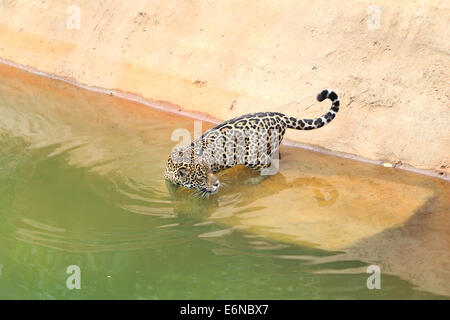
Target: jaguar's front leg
261, 169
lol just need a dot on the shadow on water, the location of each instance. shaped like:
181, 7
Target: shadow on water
81, 183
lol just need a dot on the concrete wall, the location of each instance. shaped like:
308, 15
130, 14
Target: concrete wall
227, 58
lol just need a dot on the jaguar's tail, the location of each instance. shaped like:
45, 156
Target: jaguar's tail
310, 124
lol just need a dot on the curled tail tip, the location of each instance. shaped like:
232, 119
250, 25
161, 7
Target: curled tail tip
324, 94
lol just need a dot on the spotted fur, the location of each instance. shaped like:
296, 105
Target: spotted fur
252, 140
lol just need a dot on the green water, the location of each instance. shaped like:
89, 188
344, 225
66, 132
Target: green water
81, 184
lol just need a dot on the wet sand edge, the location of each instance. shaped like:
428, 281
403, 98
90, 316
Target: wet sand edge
174, 109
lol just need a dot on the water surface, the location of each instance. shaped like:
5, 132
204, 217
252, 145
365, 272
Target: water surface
81, 183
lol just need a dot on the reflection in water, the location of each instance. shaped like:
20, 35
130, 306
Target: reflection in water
81, 180
237, 194
324, 192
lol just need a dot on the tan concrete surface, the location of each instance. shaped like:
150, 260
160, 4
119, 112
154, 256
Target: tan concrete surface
228, 58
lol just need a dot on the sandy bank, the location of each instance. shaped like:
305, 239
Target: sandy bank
226, 59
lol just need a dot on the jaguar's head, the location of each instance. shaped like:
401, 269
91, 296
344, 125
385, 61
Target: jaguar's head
197, 176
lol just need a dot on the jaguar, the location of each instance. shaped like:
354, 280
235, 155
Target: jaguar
252, 140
